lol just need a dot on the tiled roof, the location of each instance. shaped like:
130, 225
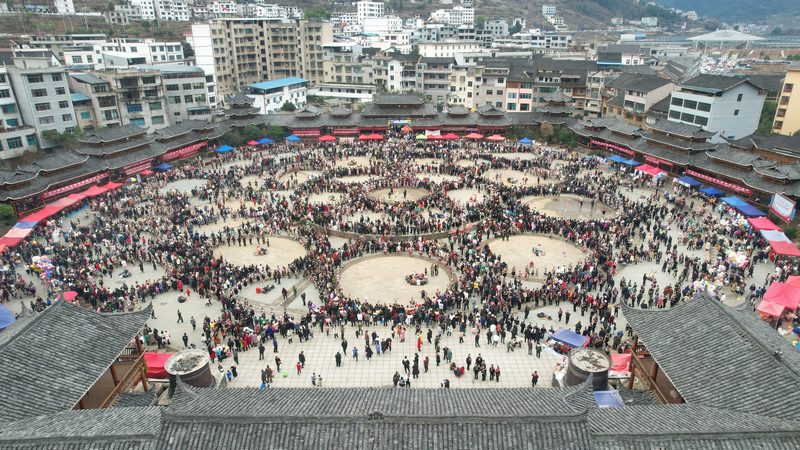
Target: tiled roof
708, 351
680, 129
391, 99
713, 83
112, 134
488, 109
61, 370
116, 146
637, 82
240, 99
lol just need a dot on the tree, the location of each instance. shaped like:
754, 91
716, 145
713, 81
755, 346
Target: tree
567, 137
516, 28
252, 132
67, 139
414, 53
288, 106
777, 31
317, 13
767, 116
546, 130
479, 22
233, 138
7, 215
188, 51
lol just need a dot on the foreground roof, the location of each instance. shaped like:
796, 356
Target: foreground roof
47, 365
721, 357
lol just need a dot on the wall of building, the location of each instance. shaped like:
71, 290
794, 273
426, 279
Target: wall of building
787, 114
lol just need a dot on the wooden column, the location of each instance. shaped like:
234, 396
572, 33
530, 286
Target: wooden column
114, 375
654, 372
632, 366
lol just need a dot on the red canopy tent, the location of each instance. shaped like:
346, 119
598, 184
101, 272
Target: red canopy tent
784, 248
450, 136
474, 136
406, 129
18, 233
94, 191
770, 308
155, 364
65, 202
146, 173
434, 137
375, 137
783, 294
10, 241
253, 143
327, 138
762, 223
495, 137
42, 214
648, 169
363, 137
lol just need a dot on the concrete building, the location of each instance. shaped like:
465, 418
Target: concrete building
173, 10
102, 98
16, 137
42, 94
729, 106
649, 22
368, 10
147, 9
630, 96
447, 49
787, 115
536, 41
185, 91
345, 62
64, 7
549, 10
458, 15
153, 52
270, 96
221, 9
239, 52
433, 78
394, 72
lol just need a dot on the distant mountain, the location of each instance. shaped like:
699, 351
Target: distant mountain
737, 10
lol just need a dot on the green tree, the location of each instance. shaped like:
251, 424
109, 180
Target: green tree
546, 131
317, 13
479, 22
67, 139
288, 106
233, 138
275, 133
777, 31
7, 215
516, 28
567, 137
252, 132
767, 116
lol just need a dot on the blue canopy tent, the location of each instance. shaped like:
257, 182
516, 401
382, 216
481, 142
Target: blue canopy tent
292, 138
688, 181
6, 317
26, 224
570, 338
223, 149
525, 141
265, 140
632, 163
711, 191
608, 399
616, 159
743, 207
163, 167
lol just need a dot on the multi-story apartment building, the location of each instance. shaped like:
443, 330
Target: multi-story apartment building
220, 9
549, 10
458, 15
787, 115
55, 42
102, 98
185, 91
345, 62
147, 9
270, 96
630, 96
173, 10
236, 53
433, 78
16, 137
530, 81
42, 94
538, 42
153, 52
463, 86
447, 49
730, 106
394, 72
368, 10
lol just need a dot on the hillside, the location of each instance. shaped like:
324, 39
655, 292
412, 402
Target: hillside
738, 10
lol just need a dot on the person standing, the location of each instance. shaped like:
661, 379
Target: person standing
278, 363
301, 358
355, 353
338, 358
477, 340
469, 360
180, 317
344, 346
396, 378
260, 351
538, 350
194, 323
299, 367
534, 378
185, 340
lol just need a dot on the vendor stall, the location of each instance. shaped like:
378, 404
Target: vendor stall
565, 340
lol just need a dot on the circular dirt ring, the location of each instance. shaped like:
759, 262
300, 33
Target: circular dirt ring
400, 194
381, 278
184, 186
299, 176
516, 178
437, 178
466, 196
518, 252
353, 161
280, 252
356, 178
326, 198
569, 206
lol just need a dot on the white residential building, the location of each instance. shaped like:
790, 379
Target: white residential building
270, 96
154, 52
549, 10
201, 42
222, 9
369, 10
16, 137
147, 8
383, 24
730, 106
447, 49
173, 10
458, 15
650, 22
64, 7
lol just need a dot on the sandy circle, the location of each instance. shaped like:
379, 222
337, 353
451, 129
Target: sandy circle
436, 178
428, 161
569, 207
280, 252
298, 176
399, 194
381, 279
219, 226
353, 161
467, 196
325, 198
465, 163
183, 186
518, 252
516, 156
515, 178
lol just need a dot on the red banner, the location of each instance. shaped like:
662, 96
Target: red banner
306, 132
134, 168
718, 182
346, 131
184, 152
73, 186
657, 161
616, 147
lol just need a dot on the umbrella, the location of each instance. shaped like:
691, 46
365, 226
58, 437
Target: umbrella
327, 138
6, 317
495, 137
364, 137
252, 142
474, 136
163, 167
70, 295
450, 136
265, 140
406, 129
375, 137
292, 138
525, 141
223, 149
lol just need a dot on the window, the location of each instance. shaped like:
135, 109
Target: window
66, 117
674, 115
187, 86
739, 97
8, 108
39, 92
138, 121
691, 104
60, 91
704, 107
687, 117
89, 59
512, 107
3, 78
35, 78
699, 120
512, 95
149, 80
788, 87
677, 101
202, 97
188, 98
524, 107
5, 93
100, 88
42, 106
198, 86
15, 142
736, 112
173, 87
77, 60
175, 100
134, 107
525, 96
63, 104
86, 115
489, 92
31, 138
155, 106
158, 120
12, 123
56, 77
